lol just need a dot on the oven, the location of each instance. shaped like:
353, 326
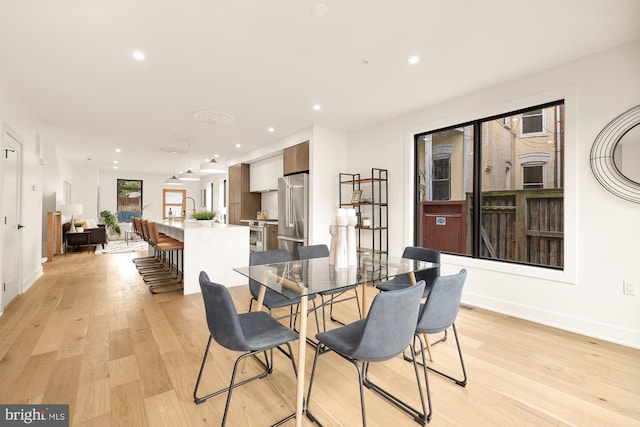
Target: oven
257, 236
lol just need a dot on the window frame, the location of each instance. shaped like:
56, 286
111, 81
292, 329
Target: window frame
418, 136
121, 216
541, 132
166, 205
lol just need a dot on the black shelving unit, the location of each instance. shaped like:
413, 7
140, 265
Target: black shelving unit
372, 204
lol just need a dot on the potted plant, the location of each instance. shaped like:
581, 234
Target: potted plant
204, 217
79, 226
110, 222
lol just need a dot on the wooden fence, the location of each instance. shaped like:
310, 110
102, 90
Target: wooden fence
522, 225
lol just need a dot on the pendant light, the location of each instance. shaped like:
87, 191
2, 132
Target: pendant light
211, 166
189, 175
173, 180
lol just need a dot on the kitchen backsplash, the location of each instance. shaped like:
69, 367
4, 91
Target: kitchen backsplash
270, 203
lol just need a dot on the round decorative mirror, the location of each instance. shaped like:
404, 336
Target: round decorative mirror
615, 156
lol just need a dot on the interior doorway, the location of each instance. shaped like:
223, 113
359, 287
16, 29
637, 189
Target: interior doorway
11, 202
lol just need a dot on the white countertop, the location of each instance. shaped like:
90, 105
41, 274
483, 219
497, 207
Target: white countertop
189, 224
215, 248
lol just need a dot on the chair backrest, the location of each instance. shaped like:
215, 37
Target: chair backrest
135, 221
145, 230
152, 227
424, 254
390, 324
313, 251
265, 257
222, 317
441, 308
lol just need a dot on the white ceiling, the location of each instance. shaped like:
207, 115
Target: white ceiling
267, 62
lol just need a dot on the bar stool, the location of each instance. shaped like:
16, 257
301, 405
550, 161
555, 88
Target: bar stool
161, 271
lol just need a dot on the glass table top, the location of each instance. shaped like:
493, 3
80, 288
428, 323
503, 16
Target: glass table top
303, 277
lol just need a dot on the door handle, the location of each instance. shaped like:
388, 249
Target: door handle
21, 226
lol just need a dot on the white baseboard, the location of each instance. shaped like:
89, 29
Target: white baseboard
606, 332
29, 281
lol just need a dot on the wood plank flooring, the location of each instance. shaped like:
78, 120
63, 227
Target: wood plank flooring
90, 334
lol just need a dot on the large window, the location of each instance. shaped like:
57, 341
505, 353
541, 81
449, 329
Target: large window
129, 199
493, 188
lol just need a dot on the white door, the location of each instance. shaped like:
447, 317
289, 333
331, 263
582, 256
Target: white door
11, 236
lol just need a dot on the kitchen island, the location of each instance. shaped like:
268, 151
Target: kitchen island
213, 248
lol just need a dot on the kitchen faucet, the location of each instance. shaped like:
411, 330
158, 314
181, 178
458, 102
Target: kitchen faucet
184, 207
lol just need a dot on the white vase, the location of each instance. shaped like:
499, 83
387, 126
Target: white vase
352, 246
341, 246
333, 230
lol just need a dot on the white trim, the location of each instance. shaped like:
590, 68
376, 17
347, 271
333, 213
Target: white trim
33, 277
611, 333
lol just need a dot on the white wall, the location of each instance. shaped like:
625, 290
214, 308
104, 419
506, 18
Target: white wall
601, 230
84, 185
327, 158
152, 185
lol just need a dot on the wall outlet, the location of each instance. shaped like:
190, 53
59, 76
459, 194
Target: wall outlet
629, 287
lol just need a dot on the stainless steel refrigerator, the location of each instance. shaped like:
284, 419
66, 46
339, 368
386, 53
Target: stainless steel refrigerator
293, 212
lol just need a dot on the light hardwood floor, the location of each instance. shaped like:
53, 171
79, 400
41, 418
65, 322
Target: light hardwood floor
90, 334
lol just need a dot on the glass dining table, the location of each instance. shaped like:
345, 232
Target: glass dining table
301, 278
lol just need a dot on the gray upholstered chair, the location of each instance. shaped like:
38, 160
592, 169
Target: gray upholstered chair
439, 313
251, 333
273, 299
333, 296
420, 254
385, 333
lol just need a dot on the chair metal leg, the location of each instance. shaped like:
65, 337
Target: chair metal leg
307, 408
426, 379
266, 364
361, 381
202, 399
170, 281
421, 418
331, 302
461, 382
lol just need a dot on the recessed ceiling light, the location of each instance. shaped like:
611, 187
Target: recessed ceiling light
138, 56
319, 10
317, 107
118, 150
414, 60
115, 162
237, 145
271, 130
115, 167
216, 155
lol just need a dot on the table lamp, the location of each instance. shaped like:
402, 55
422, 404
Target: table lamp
72, 209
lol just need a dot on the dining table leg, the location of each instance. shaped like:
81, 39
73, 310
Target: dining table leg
363, 300
259, 303
302, 340
412, 280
